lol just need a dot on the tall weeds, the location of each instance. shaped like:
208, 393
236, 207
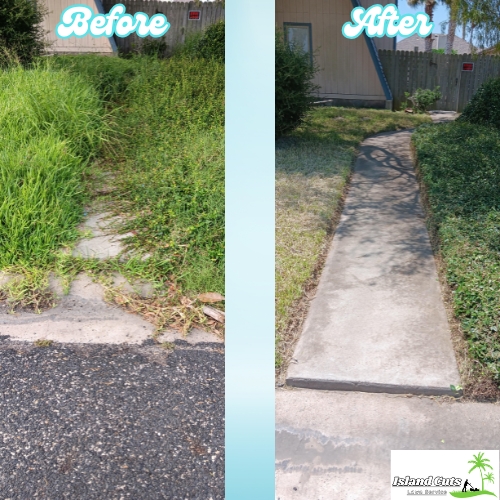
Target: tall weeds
51, 125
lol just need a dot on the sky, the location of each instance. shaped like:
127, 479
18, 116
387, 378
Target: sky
440, 14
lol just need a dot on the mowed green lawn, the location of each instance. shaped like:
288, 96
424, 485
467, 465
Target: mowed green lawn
312, 167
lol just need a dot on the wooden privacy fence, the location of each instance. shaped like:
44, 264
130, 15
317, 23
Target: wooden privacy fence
177, 15
408, 71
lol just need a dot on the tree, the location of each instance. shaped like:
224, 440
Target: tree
455, 6
489, 477
21, 32
429, 10
480, 463
480, 17
485, 16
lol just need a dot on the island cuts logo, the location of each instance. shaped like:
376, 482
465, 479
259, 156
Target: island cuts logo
458, 473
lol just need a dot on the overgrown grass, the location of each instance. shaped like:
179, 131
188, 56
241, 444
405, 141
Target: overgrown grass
51, 125
168, 162
312, 167
163, 166
459, 166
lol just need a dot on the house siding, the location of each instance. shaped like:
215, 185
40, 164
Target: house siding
346, 68
73, 45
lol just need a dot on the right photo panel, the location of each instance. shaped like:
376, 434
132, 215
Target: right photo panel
387, 249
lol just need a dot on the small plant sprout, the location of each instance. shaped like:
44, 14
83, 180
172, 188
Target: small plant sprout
169, 346
43, 343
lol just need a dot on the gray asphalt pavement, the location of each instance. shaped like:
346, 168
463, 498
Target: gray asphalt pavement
111, 422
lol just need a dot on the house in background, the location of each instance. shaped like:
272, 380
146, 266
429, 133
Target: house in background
415, 43
350, 71
73, 45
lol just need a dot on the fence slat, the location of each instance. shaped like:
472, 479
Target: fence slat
177, 16
407, 71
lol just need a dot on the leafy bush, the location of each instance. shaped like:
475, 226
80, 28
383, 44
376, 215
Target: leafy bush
153, 47
212, 43
458, 163
484, 107
21, 32
423, 98
293, 85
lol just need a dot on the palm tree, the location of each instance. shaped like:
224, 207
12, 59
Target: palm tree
454, 6
429, 10
480, 463
489, 477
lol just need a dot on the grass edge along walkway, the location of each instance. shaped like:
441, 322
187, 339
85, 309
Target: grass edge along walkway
458, 168
312, 168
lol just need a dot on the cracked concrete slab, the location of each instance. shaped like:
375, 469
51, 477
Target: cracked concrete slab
82, 316
103, 243
378, 321
439, 116
144, 289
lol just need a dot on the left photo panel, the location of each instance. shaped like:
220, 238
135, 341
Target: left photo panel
112, 249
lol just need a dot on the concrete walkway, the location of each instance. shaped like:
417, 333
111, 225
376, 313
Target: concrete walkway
378, 322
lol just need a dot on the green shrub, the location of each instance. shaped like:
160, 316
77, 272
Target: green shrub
458, 163
423, 98
212, 42
293, 85
484, 107
209, 44
21, 32
153, 47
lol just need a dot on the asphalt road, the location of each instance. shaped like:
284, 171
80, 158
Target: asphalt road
111, 422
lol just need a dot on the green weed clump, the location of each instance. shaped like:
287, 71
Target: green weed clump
172, 170
109, 75
459, 163
51, 125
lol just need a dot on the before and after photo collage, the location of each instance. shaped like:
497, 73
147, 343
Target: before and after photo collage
249, 249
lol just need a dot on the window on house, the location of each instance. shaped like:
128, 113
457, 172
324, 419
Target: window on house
299, 35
